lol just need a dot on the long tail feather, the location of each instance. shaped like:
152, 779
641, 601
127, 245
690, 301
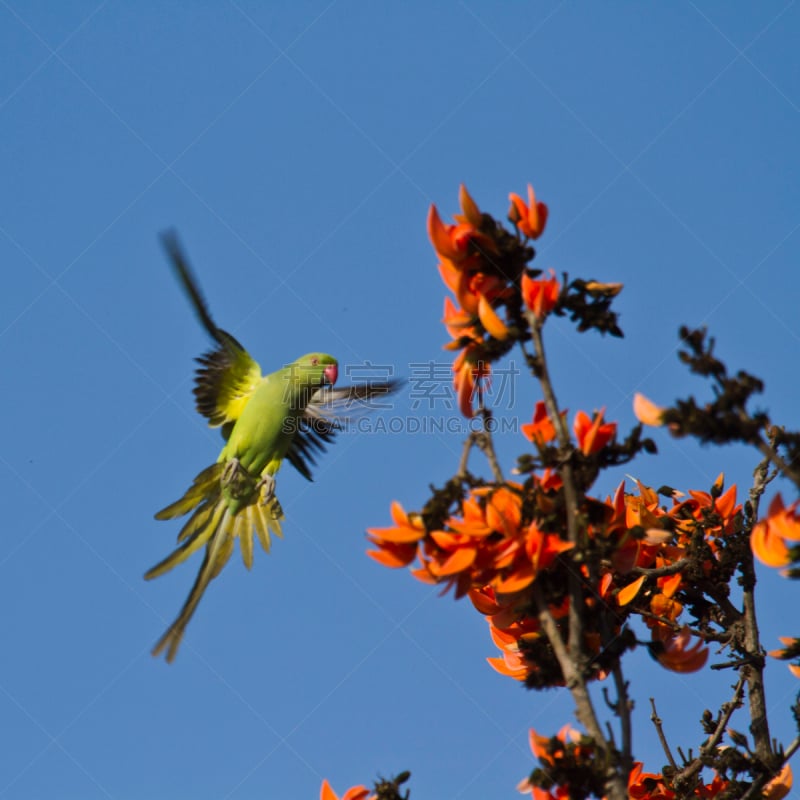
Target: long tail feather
245, 533
216, 522
171, 639
191, 545
195, 494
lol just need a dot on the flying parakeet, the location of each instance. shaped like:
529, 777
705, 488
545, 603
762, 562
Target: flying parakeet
289, 414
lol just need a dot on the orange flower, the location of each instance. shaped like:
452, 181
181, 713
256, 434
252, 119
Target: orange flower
504, 512
540, 295
458, 554
469, 371
469, 210
469, 286
646, 411
779, 786
790, 650
492, 323
513, 662
530, 218
501, 615
354, 793
452, 242
473, 521
462, 243
544, 548
558, 754
522, 560
678, 656
702, 508
768, 539
541, 430
550, 481
598, 289
647, 785
397, 546
459, 323
593, 435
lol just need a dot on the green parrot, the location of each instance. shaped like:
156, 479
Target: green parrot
290, 414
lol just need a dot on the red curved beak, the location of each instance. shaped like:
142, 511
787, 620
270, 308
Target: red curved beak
331, 373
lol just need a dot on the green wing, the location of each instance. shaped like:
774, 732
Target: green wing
329, 409
228, 375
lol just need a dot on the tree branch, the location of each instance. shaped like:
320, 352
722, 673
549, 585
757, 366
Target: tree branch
661, 737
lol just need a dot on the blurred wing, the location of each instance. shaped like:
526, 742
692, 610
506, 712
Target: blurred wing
228, 375
225, 382
329, 409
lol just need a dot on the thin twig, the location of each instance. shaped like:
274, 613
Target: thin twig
484, 440
462, 464
670, 569
690, 771
661, 737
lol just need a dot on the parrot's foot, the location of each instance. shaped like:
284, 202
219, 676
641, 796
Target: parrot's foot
266, 486
236, 480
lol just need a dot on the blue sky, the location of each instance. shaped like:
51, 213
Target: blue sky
297, 147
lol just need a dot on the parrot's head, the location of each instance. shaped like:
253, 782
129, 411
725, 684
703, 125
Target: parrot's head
318, 369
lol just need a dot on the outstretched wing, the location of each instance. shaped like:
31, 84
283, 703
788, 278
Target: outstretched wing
329, 409
228, 375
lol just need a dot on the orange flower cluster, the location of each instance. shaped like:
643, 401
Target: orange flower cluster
592, 435
513, 633
495, 548
557, 753
568, 744
481, 269
462, 249
658, 549
770, 536
487, 545
651, 786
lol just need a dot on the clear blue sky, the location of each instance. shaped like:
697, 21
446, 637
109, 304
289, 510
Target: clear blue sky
297, 148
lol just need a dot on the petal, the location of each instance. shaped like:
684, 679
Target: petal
671, 585
490, 320
518, 580
439, 235
627, 594
469, 208
394, 556
356, 793
646, 411
326, 793
767, 547
460, 560
780, 786
399, 535
499, 664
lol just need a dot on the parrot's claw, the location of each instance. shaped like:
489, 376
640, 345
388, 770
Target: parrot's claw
230, 471
237, 480
267, 488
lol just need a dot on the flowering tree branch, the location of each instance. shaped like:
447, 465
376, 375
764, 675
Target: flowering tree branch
569, 581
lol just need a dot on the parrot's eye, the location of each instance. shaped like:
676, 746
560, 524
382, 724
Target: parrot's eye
314, 362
